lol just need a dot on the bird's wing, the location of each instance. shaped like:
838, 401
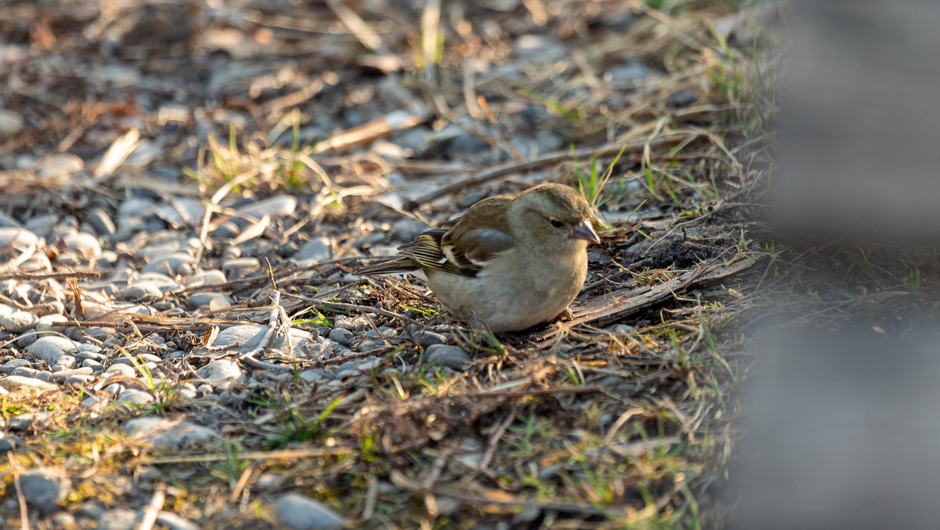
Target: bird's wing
391, 266
426, 251
476, 237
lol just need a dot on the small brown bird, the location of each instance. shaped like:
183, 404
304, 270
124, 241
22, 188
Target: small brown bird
510, 262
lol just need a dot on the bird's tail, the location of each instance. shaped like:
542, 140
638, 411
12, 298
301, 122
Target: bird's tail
392, 266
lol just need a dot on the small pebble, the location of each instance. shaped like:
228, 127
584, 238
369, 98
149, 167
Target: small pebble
79, 380
101, 221
298, 512
16, 382
119, 519
340, 336
45, 488
18, 322
174, 522
64, 521
315, 251
448, 356
220, 372
133, 399
120, 369
9, 442
11, 123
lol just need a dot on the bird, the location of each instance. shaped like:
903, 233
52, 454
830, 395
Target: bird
510, 262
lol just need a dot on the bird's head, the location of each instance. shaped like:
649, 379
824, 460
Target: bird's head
554, 217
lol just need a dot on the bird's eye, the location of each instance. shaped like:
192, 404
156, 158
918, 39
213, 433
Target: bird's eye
556, 223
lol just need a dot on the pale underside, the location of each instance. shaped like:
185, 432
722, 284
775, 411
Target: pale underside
511, 302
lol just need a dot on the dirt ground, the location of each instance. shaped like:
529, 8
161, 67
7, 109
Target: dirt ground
186, 180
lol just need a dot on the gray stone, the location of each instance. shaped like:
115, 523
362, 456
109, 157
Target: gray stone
49, 349
18, 238
24, 422
426, 339
101, 222
315, 251
79, 380
186, 391
231, 252
467, 143
226, 230
42, 224
154, 251
211, 277
11, 124
340, 336
248, 336
44, 488
174, 522
135, 207
18, 382
133, 399
50, 322
212, 300
89, 510
277, 206
26, 339
62, 375
140, 292
91, 363
317, 348
391, 91
175, 263
90, 351
221, 373
350, 366
629, 73
415, 138
681, 98
26, 371
120, 369
539, 48
448, 356
161, 280
9, 443
350, 323
472, 197
166, 434
119, 519
113, 389
237, 267
311, 376
7, 221
368, 345
405, 230
65, 362
298, 512
64, 521
18, 321
381, 332
83, 243
13, 364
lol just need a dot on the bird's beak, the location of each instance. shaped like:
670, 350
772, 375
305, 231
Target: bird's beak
586, 232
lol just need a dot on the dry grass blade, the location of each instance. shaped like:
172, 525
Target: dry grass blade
24, 511
153, 509
117, 153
